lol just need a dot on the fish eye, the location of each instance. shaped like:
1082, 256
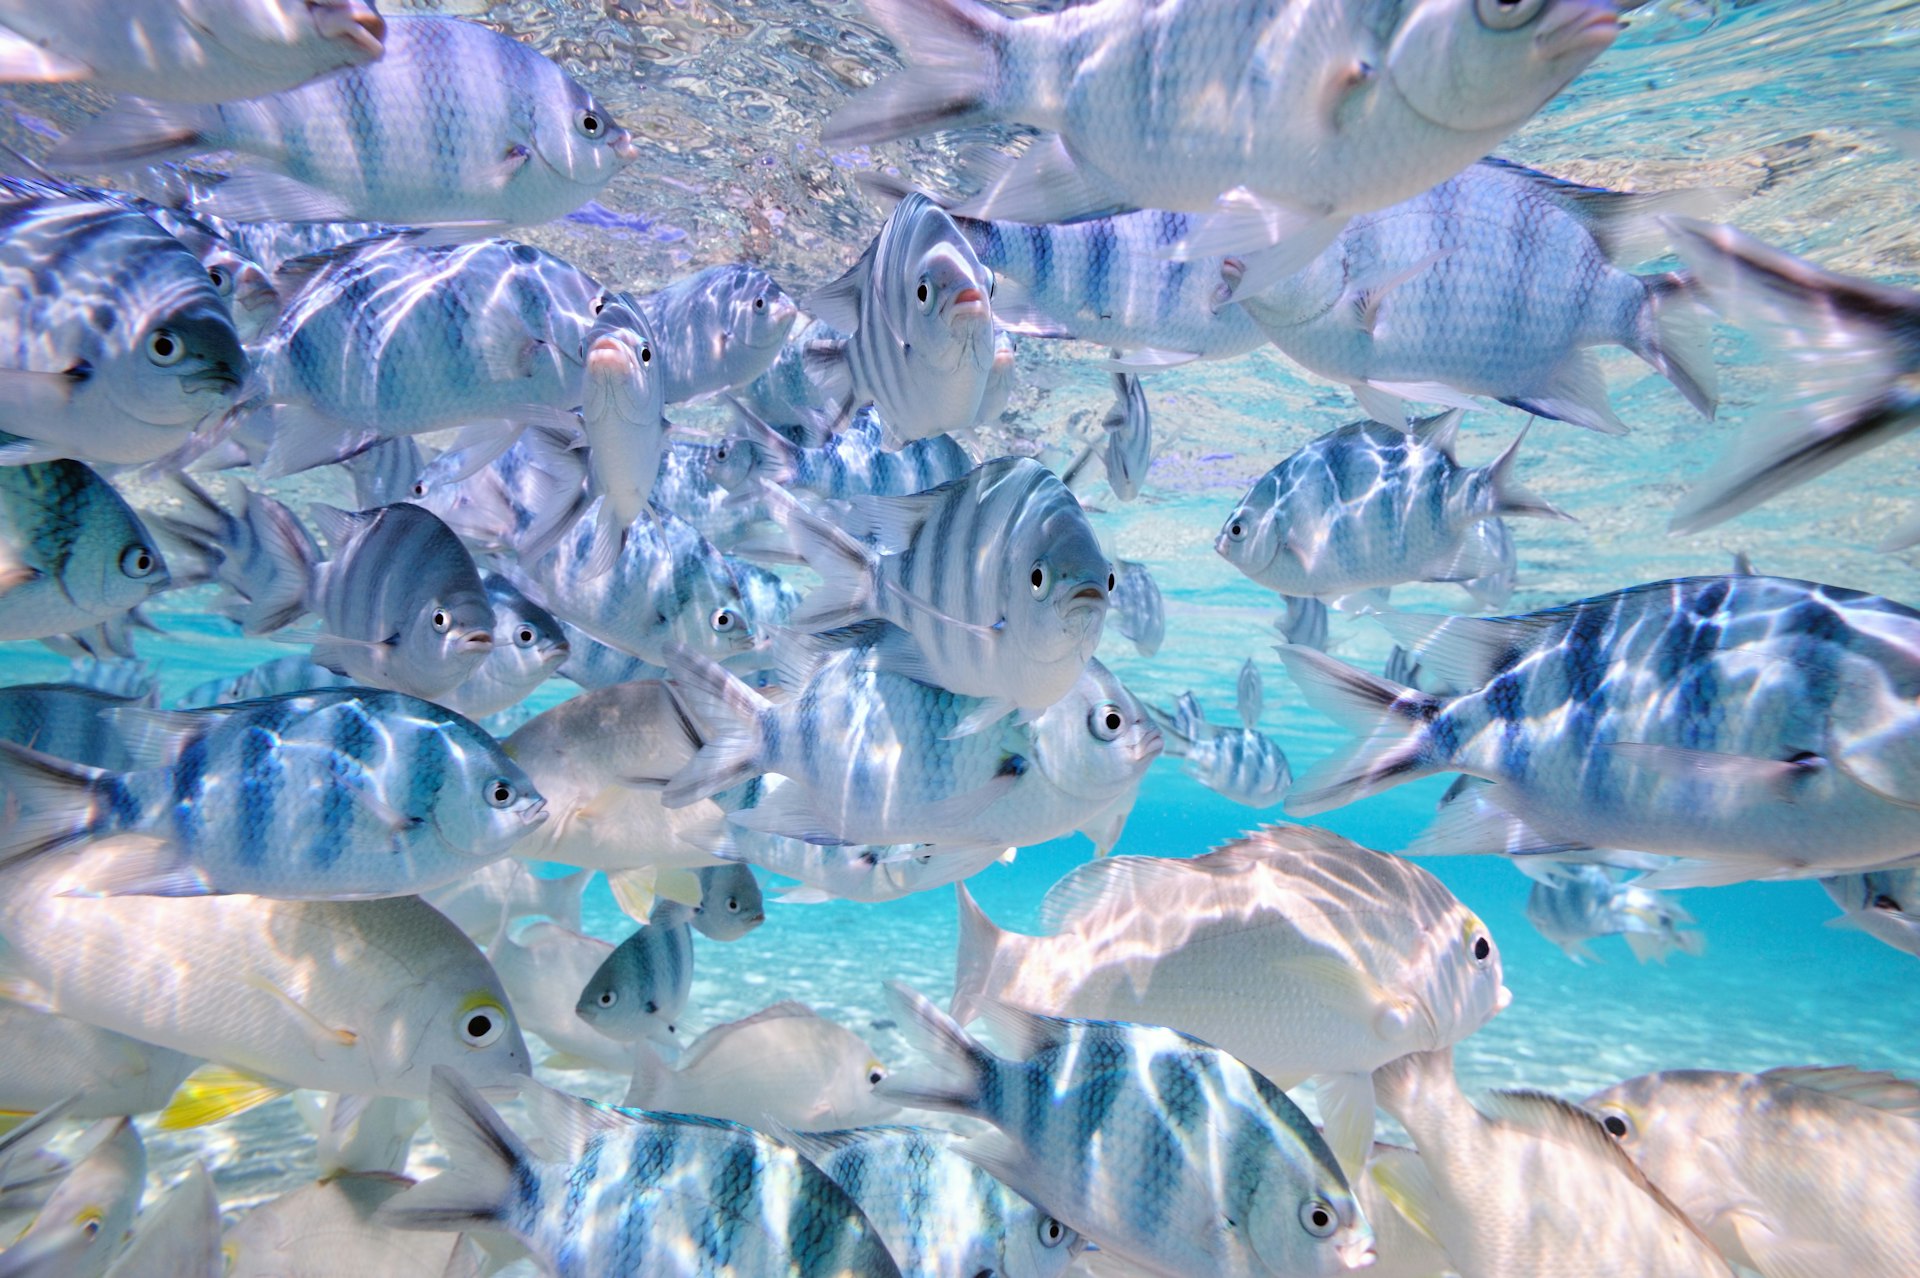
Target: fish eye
608, 998
499, 792
646, 354
221, 278
759, 303
524, 636
733, 905
137, 562
1616, 1124
1482, 948
591, 125
1507, 15
164, 349
1105, 721
1885, 902
1040, 577
1113, 582
1237, 529
1317, 1218
725, 621
419, 489
1052, 1232
722, 450
599, 304
876, 1076
482, 1026
653, 1009
442, 620
924, 294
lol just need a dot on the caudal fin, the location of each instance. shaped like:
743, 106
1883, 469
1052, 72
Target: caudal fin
980, 944
1674, 333
1395, 748
136, 131
1506, 495
728, 714
46, 803
951, 49
263, 554
486, 1162
850, 581
960, 1076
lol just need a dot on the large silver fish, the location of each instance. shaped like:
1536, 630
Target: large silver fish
1762, 725
89, 1214
455, 123
719, 328
52, 1058
72, 552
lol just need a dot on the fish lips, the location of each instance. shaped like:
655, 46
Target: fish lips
1582, 30
1085, 606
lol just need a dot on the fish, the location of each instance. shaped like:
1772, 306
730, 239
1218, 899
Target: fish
1243, 764
89, 1214
455, 123
358, 1134
785, 1066
67, 721
898, 773
334, 1226
1496, 282
343, 996
1847, 357
543, 967
1150, 1144
1369, 506
730, 902
622, 411
852, 462
106, 1075
490, 899
1380, 104
1305, 620
385, 472
640, 989
855, 872
617, 1191
188, 50
339, 794
1810, 668
918, 311
121, 393
1885, 904
1483, 1172
1573, 904
1495, 588
179, 1236
1249, 696
1126, 447
359, 355
1139, 614
803, 386
268, 679
595, 665
1362, 957
721, 328
521, 500
528, 647
1775, 1166
938, 1213
997, 576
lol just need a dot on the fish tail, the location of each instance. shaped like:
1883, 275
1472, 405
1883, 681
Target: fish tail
1506, 495
962, 1072
980, 943
953, 50
487, 1164
46, 803
650, 1078
1395, 749
264, 555
728, 714
1674, 333
136, 131
850, 582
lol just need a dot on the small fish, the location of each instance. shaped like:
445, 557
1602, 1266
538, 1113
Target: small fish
528, 646
1124, 1132
1125, 447
268, 679
852, 463
785, 1066
1573, 904
521, 500
489, 900
622, 411
1138, 612
1494, 588
334, 1227
1305, 620
89, 1214
261, 552
1790, 695
1243, 764
343, 996
1771, 1165
918, 310
1363, 956
641, 989
628, 1192
188, 50
51, 1058
938, 1213
721, 327
178, 1237
1483, 1171
1249, 697
543, 967
1496, 282
1848, 359
997, 576
594, 665
856, 872
385, 473
803, 386
730, 906
1378, 104
1885, 904
339, 794
455, 123
123, 392
1370, 506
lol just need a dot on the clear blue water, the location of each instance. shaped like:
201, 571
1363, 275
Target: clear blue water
1790, 99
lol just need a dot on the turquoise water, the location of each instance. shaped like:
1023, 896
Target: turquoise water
1794, 103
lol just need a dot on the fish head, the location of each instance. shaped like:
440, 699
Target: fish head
1035, 1245
457, 1017
758, 312
246, 287
1304, 1218
355, 26
1473, 66
730, 902
1470, 988
448, 633
117, 567
936, 294
576, 138
625, 383
1060, 582
1674, 1113
184, 366
487, 804
1097, 741
618, 1001
731, 463
1254, 537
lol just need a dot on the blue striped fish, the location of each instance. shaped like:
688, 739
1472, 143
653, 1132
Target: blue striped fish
456, 123
719, 328
629, 1192
1243, 764
852, 463
268, 679
68, 721
335, 794
1573, 904
528, 646
640, 989
1138, 611
72, 552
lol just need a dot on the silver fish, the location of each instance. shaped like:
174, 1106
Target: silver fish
629, 1192
455, 123
621, 410
385, 473
178, 1236
543, 967
641, 988
918, 313
1123, 1132
1700, 703
88, 1216
51, 1058
855, 872
124, 392
1249, 699
852, 463
1138, 612
67, 721
1370, 506
268, 679
1885, 904
1573, 904
1243, 764
1495, 282
188, 50
730, 902
72, 552
720, 328
528, 646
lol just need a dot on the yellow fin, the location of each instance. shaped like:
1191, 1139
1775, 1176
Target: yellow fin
1409, 1186
633, 891
682, 886
567, 1060
214, 1092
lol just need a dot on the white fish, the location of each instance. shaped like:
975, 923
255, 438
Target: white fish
89, 1214
856, 872
1885, 904
50, 1058
179, 1236
332, 1228
544, 967
622, 411
359, 1134
495, 896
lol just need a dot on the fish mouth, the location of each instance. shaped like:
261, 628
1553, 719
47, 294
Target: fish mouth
1358, 1253
1585, 31
608, 356
624, 148
534, 814
357, 25
1503, 1000
969, 304
219, 379
1152, 744
474, 639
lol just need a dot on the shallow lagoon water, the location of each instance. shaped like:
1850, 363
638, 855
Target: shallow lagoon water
1792, 102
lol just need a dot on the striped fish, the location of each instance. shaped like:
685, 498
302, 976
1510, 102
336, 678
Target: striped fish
114, 342
1154, 1146
335, 794
385, 473
640, 989
1138, 611
1250, 695
528, 646
938, 1213
719, 328
854, 872
852, 463
1760, 726
456, 123
268, 679
997, 576
1243, 764
1573, 904
798, 391
1369, 506
519, 502
72, 552
918, 313
630, 1192
622, 405
67, 721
